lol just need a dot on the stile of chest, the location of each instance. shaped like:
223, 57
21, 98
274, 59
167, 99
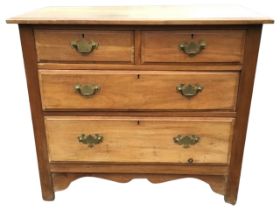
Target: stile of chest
140, 92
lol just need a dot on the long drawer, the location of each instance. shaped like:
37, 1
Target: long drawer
141, 140
131, 90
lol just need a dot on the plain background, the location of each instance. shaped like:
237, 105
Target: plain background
19, 180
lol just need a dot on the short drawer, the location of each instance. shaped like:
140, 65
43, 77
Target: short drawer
141, 140
84, 45
192, 46
143, 90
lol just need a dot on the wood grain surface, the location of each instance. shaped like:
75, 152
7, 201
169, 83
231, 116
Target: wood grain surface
139, 140
29, 55
145, 67
243, 109
146, 90
221, 46
144, 15
138, 168
63, 180
55, 45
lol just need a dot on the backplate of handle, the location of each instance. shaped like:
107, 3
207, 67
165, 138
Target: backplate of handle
186, 140
87, 90
84, 46
90, 140
189, 90
192, 48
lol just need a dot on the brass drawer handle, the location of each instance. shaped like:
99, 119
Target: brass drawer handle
90, 140
189, 90
87, 90
192, 48
187, 140
84, 46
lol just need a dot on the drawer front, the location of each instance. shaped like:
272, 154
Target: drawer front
206, 46
84, 45
146, 90
141, 140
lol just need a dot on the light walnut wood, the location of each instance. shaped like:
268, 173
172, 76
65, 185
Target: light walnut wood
137, 46
221, 46
138, 65
244, 100
144, 15
151, 168
150, 90
63, 180
145, 67
147, 113
139, 140
29, 56
55, 45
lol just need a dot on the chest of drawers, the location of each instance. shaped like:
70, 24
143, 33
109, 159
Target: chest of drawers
140, 92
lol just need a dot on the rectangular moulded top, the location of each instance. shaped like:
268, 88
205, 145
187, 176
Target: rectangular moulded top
143, 15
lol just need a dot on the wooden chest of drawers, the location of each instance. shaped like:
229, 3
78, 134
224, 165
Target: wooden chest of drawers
140, 92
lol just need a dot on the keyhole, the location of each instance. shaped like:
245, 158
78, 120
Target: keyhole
138, 76
192, 36
83, 35
190, 161
138, 122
